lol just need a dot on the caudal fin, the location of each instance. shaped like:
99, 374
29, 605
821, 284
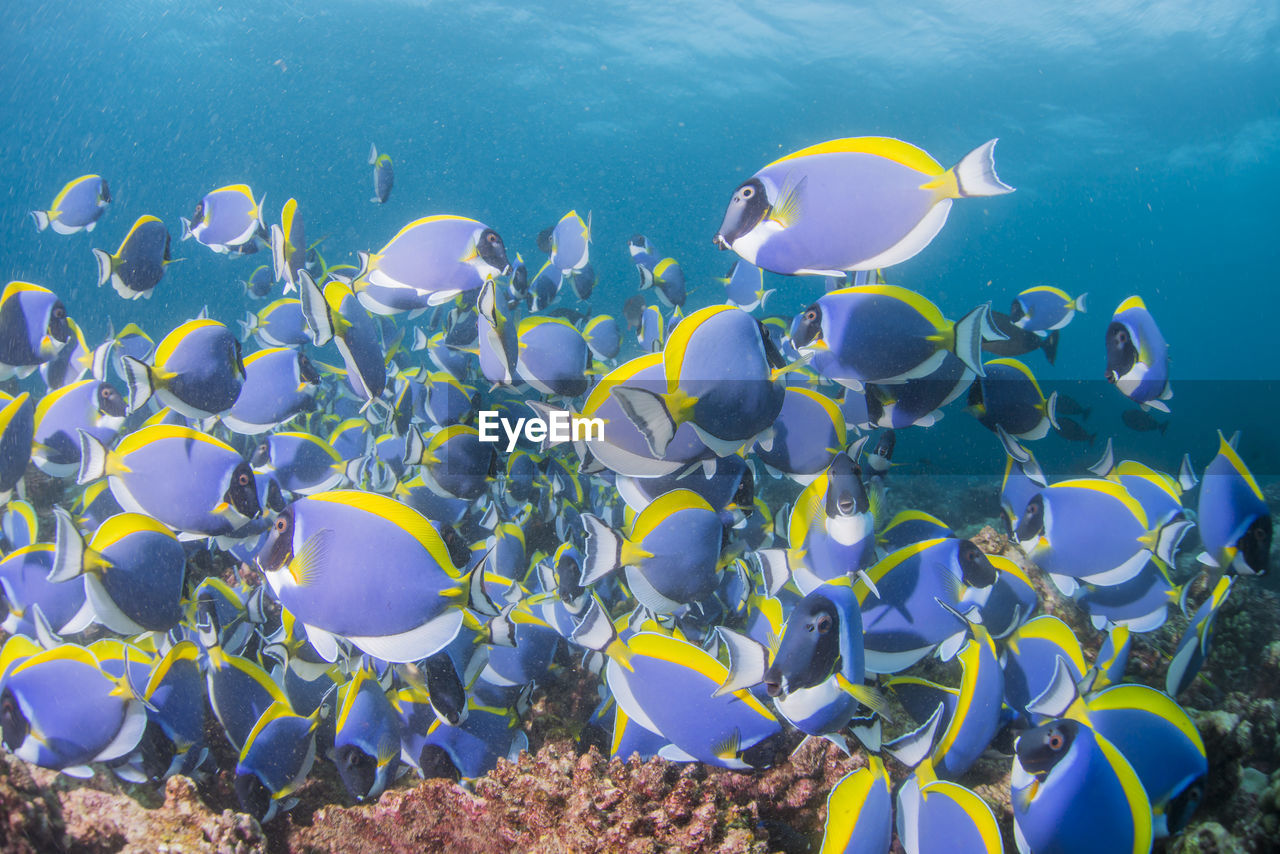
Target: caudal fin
604, 550
649, 413
976, 173
968, 334
137, 376
41, 219
106, 265
93, 459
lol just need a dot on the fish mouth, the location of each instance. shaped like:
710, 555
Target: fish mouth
719, 242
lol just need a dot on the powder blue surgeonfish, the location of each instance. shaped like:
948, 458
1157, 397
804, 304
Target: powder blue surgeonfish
279, 323
403, 607
90, 405
47, 725
180, 477
299, 462
24, 581
288, 246
196, 371
76, 207
553, 356
1234, 520
429, 262
671, 555
1008, 397
228, 221
1064, 771
1089, 530
744, 286
384, 175
670, 687
816, 674
133, 569
1044, 309
860, 812
884, 334
918, 596
849, 204
1137, 356
336, 314
366, 744
602, 336
33, 328
668, 279
570, 242
138, 265
719, 379
275, 759
279, 384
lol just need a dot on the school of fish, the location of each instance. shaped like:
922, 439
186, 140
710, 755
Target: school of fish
400, 584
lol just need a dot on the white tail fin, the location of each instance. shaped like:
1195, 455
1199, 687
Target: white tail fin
976, 173
968, 332
106, 266
42, 220
1079, 303
315, 310
604, 550
649, 413
373, 153
93, 459
137, 375
68, 550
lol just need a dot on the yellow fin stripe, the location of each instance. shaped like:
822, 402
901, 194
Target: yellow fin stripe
896, 150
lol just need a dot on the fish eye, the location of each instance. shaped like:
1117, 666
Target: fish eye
282, 524
493, 238
243, 479
747, 192
823, 623
59, 312
1056, 740
811, 315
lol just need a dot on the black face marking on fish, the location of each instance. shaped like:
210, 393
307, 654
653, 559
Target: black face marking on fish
307, 371
1032, 522
492, 250
13, 722
807, 326
747, 208
1182, 806
261, 455
358, 770
197, 215
975, 567
278, 549
885, 444
810, 647
434, 761
568, 579
243, 492
110, 402
543, 240
1255, 545
59, 329
745, 496
1045, 746
448, 696
104, 192
1122, 353
846, 495
459, 549
255, 798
